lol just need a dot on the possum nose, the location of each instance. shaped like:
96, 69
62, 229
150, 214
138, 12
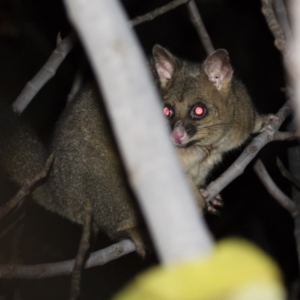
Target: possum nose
178, 134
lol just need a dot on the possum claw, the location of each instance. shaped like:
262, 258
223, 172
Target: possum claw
214, 204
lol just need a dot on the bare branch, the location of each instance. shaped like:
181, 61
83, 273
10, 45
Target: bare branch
292, 62
285, 173
83, 248
157, 12
199, 25
238, 167
63, 268
45, 73
273, 189
286, 136
25, 189
274, 26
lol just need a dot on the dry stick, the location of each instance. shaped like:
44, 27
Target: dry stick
199, 25
97, 258
238, 167
83, 248
285, 173
274, 26
273, 189
286, 136
46, 72
157, 12
25, 189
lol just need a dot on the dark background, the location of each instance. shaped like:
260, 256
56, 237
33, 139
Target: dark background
28, 31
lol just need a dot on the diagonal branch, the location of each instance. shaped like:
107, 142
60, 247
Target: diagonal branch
273, 189
199, 25
238, 167
49, 69
157, 12
286, 136
82, 251
25, 189
63, 268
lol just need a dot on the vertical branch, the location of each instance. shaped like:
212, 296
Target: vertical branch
294, 67
178, 231
199, 25
80, 258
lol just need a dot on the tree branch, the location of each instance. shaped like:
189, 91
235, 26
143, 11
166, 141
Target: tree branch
200, 28
273, 189
83, 248
238, 167
157, 12
49, 69
25, 189
286, 136
274, 26
63, 268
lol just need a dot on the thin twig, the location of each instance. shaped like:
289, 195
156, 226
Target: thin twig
286, 136
274, 26
199, 25
45, 73
80, 258
288, 175
157, 12
63, 268
238, 167
25, 189
273, 189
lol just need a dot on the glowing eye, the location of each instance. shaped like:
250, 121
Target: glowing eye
168, 111
198, 111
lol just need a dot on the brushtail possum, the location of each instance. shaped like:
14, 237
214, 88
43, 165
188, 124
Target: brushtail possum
208, 109
209, 112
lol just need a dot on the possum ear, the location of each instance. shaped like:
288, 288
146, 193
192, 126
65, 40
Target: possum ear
165, 64
218, 68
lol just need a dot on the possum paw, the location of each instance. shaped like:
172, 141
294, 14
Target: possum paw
267, 122
215, 204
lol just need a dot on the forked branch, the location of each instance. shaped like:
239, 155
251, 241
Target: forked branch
25, 189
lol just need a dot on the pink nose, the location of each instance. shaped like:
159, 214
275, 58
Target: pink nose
178, 134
